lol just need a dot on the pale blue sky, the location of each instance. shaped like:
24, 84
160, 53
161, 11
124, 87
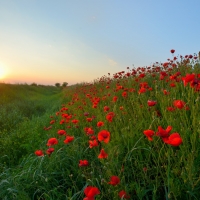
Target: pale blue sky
46, 41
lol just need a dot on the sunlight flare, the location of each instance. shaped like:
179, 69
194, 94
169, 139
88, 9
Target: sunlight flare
2, 71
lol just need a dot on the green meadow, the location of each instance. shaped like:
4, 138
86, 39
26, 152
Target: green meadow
24, 110
131, 135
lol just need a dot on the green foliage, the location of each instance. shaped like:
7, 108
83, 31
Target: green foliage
64, 84
57, 84
22, 118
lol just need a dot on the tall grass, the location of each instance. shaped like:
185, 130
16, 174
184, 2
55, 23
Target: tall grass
153, 167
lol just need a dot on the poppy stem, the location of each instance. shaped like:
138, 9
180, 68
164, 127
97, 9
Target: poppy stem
168, 175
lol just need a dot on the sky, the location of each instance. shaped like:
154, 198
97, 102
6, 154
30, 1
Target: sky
74, 41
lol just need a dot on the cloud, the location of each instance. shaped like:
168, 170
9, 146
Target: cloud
112, 62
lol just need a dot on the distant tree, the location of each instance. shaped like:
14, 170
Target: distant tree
57, 84
64, 84
33, 84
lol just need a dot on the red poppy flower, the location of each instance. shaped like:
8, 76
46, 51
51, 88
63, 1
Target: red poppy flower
123, 194
172, 85
89, 131
49, 151
114, 180
172, 50
162, 132
149, 134
62, 121
52, 141
99, 124
68, 139
61, 132
93, 137
83, 163
165, 92
151, 103
106, 108
171, 109
110, 116
115, 98
75, 121
102, 154
179, 104
89, 119
104, 135
124, 94
90, 192
52, 121
188, 78
142, 90
93, 143
39, 153
190, 56
174, 139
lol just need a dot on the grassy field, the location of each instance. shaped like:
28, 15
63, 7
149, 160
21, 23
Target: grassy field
131, 135
24, 110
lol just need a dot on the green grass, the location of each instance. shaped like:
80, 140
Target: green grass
24, 111
147, 169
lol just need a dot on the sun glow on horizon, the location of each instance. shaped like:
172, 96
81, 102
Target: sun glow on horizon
3, 71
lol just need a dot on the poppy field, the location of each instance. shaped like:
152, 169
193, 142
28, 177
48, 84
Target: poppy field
131, 135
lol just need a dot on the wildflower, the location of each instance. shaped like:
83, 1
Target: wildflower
174, 139
90, 192
62, 121
171, 109
165, 92
49, 151
142, 90
162, 132
172, 85
102, 154
149, 134
61, 132
110, 116
89, 131
188, 78
123, 194
89, 119
151, 103
104, 135
52, 141
83, 163
86, 114
115, 98
39, 153
75, 121
93, 143
124, 94
68, 139
52, 121
179, 104
106, 108
172, 50
99, 124
114, 180
144, 169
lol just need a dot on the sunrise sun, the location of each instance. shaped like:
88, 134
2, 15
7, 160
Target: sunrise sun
2, 71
